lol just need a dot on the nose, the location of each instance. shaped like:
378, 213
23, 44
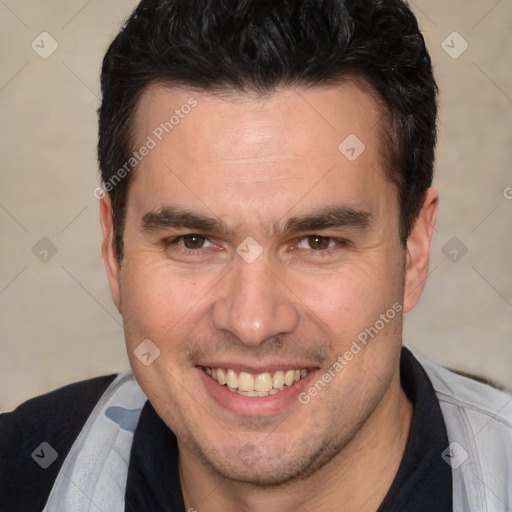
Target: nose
254, 304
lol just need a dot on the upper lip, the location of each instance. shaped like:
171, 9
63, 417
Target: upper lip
270, 368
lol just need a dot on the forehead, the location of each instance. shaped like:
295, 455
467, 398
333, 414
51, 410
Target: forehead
322, 143
271, 123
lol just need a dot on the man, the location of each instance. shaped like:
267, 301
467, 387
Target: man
267, 220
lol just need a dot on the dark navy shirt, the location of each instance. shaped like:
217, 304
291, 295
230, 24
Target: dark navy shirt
423, 482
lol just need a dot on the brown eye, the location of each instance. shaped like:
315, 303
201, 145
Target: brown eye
319, 243
193, 241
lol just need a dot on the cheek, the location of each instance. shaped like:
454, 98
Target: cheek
164, 308
350, 300
158, 302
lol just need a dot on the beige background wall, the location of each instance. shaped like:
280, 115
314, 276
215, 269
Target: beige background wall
58, 323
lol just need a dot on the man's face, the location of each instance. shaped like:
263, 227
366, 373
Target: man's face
254, 245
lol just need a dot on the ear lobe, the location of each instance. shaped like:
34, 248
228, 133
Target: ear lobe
108, 249
418, 250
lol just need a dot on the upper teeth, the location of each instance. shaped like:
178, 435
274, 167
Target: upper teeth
261, 383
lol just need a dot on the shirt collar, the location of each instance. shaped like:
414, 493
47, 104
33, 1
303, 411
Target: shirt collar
153, 481
423, 481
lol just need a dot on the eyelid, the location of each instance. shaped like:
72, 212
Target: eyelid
332, 242
336, 240
198, 235
178, 239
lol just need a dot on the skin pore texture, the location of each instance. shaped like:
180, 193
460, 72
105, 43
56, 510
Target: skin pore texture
328, 264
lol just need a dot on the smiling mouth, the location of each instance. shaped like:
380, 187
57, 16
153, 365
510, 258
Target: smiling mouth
255, 385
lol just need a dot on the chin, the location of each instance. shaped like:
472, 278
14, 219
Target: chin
271, 467
261, 474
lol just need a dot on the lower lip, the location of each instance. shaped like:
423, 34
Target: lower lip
254, 405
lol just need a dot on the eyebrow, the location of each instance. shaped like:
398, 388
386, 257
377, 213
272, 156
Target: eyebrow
339, 217
172, 218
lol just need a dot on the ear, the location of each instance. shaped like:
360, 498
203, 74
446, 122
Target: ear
108, 249
418, 250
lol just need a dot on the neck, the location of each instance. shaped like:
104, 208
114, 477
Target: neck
357, 478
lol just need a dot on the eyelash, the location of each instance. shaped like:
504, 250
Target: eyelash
339, 243
168, 242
